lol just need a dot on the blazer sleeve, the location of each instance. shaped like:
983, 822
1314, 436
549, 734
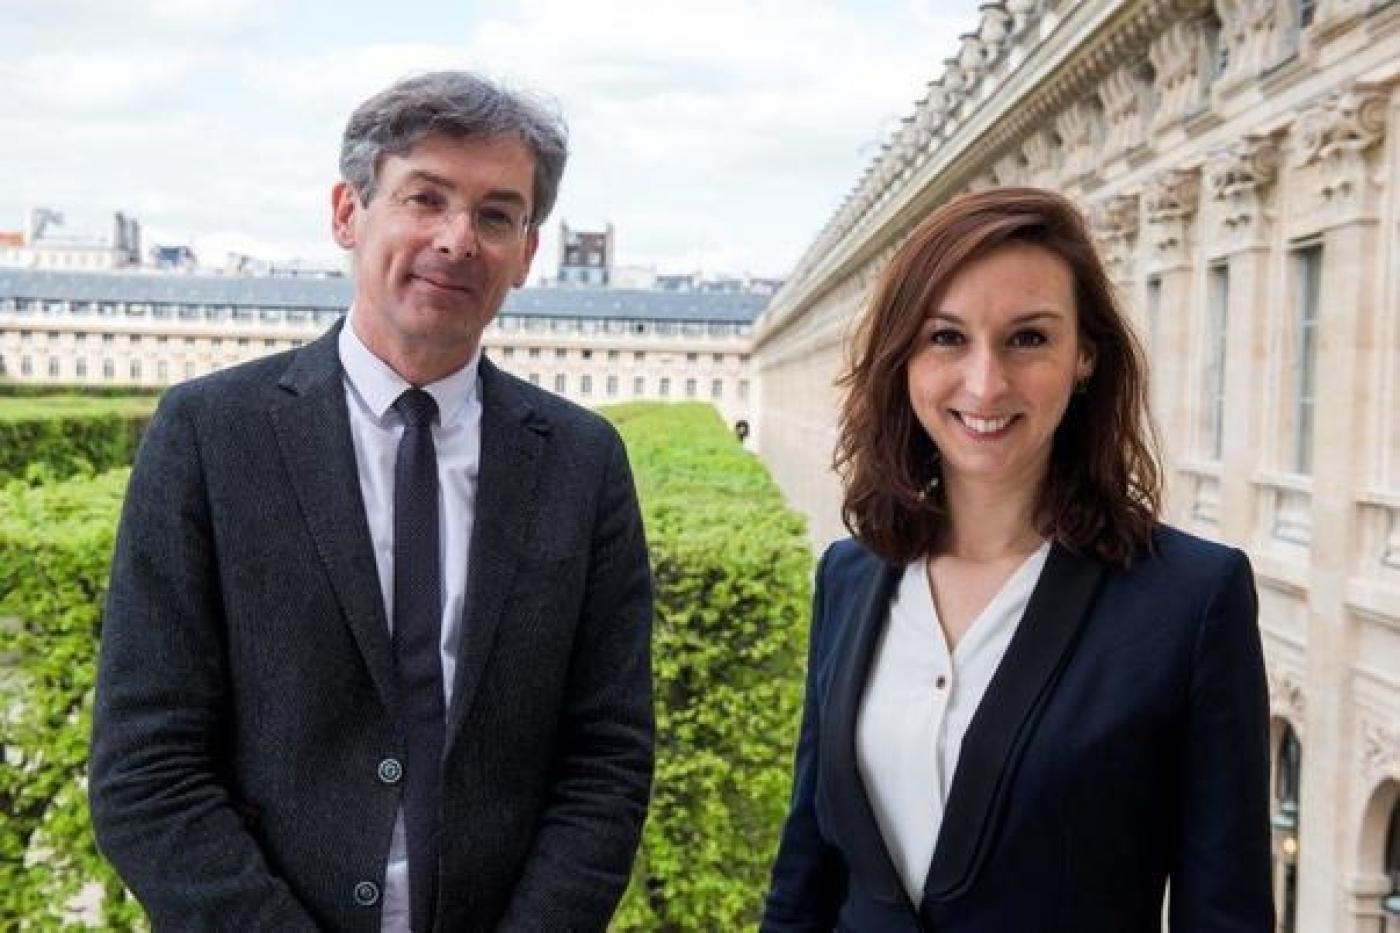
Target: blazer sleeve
581, 857
1220, 876
809, 874
161, 812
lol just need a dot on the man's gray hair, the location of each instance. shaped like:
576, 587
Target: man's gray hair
457, 104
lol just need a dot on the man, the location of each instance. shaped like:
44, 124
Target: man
376, 649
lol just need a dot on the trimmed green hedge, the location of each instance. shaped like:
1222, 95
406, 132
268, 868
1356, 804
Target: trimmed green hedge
37, 389
55, 543
54, 437
732, 569
731, 566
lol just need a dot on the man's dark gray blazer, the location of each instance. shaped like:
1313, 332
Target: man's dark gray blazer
246, 696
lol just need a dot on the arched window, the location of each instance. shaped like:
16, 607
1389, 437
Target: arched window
1288, 761
1391, 904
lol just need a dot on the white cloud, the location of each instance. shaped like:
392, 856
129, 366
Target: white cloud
94, 81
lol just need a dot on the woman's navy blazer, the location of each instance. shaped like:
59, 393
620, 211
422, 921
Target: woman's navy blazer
1123, 742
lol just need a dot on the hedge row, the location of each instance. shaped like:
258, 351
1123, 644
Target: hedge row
55, 437
55, 542
34, 389
731, 565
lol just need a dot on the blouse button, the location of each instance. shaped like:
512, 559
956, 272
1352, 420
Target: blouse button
940, 682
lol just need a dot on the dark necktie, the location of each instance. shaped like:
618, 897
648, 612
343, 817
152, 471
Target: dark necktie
417, 620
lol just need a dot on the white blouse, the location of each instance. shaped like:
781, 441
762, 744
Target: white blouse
918, 703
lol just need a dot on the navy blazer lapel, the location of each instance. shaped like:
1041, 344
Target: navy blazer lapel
312, 426
513, 438
854, 819
1005, 719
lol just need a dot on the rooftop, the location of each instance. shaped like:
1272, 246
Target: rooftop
335, 293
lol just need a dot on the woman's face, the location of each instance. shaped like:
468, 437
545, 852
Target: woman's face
995, 365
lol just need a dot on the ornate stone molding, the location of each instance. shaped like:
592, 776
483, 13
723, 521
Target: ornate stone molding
1379, 751
1114, 224
1348, 121
1181, 59
1238, 180
1287, 699
1329, 149
1042, 158
1080, 126
1170, 201
1127, 97
1257, 35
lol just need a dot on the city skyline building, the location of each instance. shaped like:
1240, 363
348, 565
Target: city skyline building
591, 345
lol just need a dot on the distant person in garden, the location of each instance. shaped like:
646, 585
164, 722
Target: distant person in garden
1030, 705
376, 651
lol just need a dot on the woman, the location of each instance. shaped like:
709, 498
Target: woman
1029, 705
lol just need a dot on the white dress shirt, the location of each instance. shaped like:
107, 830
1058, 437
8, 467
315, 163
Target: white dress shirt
371, 388
918, 703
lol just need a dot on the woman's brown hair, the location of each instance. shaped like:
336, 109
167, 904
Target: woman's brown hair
1102, 493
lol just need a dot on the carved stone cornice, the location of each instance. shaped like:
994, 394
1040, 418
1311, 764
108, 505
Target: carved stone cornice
1126, 95
1287, 699
1379, 751
1238, 180
1351, 120
1080, 126
1170, 203
1173, 195
1181, 59
1329, 147
1114, 224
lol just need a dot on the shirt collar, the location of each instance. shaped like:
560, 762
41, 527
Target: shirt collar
379, 386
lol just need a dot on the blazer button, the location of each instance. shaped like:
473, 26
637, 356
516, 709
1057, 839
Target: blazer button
390, 771
366, 894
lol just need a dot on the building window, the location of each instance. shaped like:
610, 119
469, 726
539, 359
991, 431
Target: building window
1288, 760
639, 386
1307, 262
189, 369
612, 355
508, 353
534, 353
638, 356
717, 389
560, 353
585, 384
560, 385
135, 370
665, 390
1213, 359
719, 357
80, 367
162, 370
743, 390
1154, 311
690, 388
109, 369
612, 386
53, 367
586, 354
692, 357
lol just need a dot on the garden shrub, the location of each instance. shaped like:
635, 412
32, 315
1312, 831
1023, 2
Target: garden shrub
60, 436
55, 544
731, 566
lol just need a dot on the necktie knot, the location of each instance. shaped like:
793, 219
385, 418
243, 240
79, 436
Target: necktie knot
417, 407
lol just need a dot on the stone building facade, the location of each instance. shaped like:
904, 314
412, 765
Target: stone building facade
1239, 161
595, 346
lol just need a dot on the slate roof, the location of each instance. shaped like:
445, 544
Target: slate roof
334, 294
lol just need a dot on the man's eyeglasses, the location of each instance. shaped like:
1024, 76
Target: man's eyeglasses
495, 222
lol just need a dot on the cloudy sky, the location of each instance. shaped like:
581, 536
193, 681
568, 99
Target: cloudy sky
716, 136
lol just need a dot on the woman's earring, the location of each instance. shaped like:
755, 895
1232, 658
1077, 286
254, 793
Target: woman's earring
935, 477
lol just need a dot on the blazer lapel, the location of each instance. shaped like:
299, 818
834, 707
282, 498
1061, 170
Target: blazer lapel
853, 818
312, 427
513, 437
1005, 719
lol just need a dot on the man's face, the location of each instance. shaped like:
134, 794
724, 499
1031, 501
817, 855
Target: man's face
444, 237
